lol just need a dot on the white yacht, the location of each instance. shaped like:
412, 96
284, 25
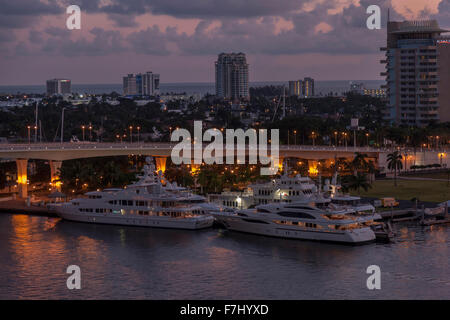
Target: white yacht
278, 190
299, 221
286, 189
353, 204
147, 203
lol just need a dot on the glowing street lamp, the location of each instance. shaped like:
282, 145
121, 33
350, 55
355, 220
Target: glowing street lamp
82, 128
131, 134
90, 133
345, 138
139, 132
29, 136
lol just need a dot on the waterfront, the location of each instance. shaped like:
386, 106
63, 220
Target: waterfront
133, 263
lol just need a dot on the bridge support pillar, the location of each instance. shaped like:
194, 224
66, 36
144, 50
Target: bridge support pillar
194, 167
22, 178
312, 167
161, 163
280, 164
55, 166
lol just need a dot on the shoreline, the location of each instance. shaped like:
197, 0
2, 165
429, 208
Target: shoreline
20, 207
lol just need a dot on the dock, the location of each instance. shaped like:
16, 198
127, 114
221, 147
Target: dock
431, 222
21, 207
400, 213
412, 218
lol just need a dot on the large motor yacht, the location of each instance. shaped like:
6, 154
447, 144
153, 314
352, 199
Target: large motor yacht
289, 189
281, 189
146, 203
299, 220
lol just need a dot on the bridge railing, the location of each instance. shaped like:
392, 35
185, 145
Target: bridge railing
166, 145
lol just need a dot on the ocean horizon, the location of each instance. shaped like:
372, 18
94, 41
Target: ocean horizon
202, 88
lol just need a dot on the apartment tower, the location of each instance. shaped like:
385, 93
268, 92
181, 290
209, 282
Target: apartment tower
141, 84
417, 73
232, 76
59, 86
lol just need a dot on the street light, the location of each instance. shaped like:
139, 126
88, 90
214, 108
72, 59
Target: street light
345, 138
335, 137
139, 131
35, 133
62, 125
367, 138
82, 128
313, 134
131, 134
90, 132
29, 138
295, 137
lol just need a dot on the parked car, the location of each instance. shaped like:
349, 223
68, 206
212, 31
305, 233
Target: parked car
389, 202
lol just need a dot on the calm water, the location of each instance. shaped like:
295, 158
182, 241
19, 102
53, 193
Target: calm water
130, 263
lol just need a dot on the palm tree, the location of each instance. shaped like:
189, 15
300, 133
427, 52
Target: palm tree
359, 162
394, 160
357, 182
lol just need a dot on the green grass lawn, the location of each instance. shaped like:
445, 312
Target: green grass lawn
437, 175
435, 191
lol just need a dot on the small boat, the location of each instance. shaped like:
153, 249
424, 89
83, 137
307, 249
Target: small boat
383, 232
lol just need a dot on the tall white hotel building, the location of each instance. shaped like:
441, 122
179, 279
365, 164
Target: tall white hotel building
232, 76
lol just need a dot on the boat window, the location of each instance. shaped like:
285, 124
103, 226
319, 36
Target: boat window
291, 214
255, 221
299, 207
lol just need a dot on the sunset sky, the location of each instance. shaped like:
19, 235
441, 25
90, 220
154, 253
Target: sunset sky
180, 39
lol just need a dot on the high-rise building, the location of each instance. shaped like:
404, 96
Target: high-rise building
417, 73
142, 84
58, 86
232, 76
129, 85
308, 87
295, 88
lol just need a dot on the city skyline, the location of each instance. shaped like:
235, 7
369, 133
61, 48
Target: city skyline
282, 41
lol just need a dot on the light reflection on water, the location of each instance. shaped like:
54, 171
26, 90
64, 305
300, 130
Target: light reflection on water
132, 263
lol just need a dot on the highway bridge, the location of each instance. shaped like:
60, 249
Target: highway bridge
55, 153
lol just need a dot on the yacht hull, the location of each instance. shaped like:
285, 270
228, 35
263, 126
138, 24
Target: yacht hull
360, 236
193, 223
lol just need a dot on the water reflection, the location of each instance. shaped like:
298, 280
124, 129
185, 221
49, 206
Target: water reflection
130, 263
